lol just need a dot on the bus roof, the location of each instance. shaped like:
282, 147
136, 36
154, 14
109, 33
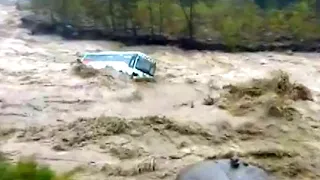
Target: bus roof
115, 52
120, 53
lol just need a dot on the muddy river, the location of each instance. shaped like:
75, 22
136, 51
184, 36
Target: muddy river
38, 88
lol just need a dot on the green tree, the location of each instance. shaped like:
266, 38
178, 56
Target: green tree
233, 22
188, 11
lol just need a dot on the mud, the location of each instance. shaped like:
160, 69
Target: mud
84, 71
111, 126
279, 147
275, 95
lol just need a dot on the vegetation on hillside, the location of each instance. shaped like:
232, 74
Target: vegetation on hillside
227, 21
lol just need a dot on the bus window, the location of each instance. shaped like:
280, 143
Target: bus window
133, 60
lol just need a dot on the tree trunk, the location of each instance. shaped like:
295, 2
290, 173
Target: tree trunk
112, 15
318, 10
151, 17
161, 17
189, 18
64, 9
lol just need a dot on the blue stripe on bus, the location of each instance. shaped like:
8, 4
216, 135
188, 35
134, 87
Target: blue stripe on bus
102, 57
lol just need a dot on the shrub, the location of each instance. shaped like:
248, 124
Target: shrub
28, 169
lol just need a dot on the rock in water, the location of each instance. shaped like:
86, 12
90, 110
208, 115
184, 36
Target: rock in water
223, 169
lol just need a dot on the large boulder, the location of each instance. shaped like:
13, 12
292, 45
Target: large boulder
224, 169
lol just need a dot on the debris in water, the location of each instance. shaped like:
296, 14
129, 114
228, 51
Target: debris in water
208, 101
275, 95
84, 71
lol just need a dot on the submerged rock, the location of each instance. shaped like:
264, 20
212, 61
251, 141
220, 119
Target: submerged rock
224, 169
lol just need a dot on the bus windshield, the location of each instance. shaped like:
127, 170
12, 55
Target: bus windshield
146, 66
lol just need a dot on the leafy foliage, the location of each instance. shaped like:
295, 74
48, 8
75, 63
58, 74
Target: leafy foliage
28, 169
229, 21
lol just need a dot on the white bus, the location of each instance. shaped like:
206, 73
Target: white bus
133, 63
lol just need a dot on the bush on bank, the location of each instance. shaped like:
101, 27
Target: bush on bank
28, 169
231, 22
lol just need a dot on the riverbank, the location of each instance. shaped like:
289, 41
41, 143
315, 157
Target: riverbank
187, 43
197, 25
132, 39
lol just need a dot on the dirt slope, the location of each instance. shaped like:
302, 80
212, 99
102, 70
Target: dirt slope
116, 127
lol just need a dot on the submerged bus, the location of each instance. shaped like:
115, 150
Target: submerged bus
133, 63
